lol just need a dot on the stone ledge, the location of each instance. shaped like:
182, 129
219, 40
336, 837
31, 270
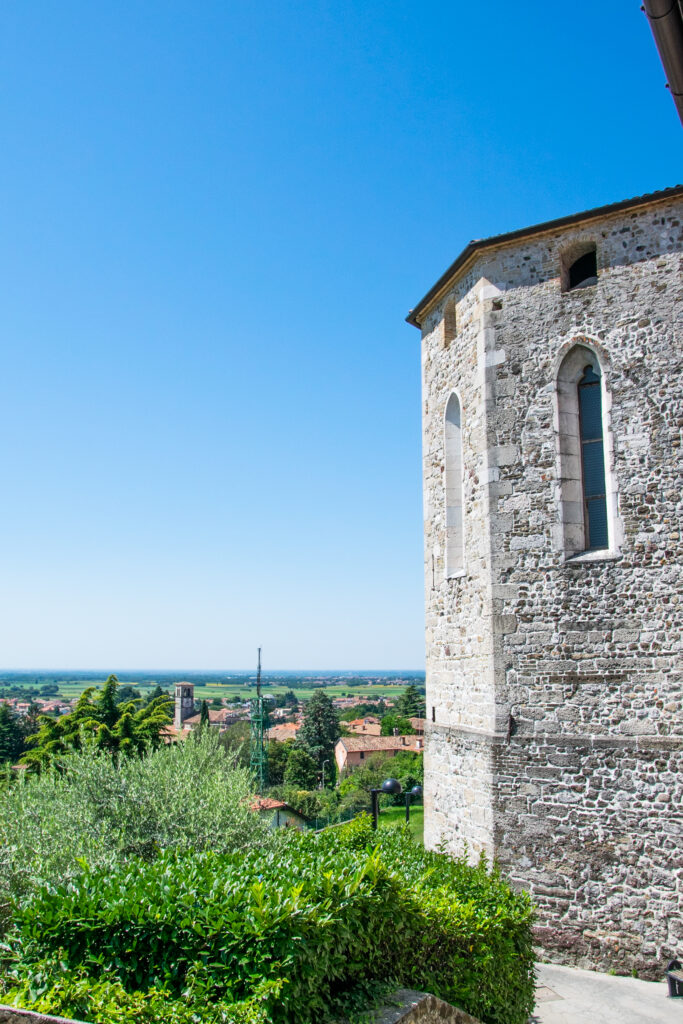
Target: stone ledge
421, 1008
412, 1008
13, 1015
639, 743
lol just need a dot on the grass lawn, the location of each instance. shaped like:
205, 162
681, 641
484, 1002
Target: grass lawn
391, 815
207, 691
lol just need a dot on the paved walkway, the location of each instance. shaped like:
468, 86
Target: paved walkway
567, 995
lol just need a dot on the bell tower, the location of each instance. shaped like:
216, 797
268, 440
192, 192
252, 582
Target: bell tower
184, 703
552, 381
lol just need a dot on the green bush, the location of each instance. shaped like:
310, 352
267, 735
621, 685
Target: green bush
474, 943
51, 988
407, 767
328, 915
312, 803
189, 796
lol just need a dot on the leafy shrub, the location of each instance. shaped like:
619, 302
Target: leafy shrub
312, 803
324, 923
329, 915
186, 796
473, 946
49, 988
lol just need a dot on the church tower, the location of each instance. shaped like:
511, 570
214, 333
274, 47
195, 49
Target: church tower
552, 411
184, 703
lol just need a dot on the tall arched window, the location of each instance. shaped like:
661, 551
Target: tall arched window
454, 524
584, 479
592, 460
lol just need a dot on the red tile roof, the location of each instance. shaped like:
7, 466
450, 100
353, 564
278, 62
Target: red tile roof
365, 743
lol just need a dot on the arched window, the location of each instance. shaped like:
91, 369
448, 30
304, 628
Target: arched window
592, 460
585, 500
453, 484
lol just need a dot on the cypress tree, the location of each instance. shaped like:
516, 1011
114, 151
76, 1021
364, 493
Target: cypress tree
11, 735
204, 719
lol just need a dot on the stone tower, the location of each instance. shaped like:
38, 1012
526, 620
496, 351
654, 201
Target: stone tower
552, 410
184, 703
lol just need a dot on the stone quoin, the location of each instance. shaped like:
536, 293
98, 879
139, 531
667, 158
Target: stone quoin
552, 369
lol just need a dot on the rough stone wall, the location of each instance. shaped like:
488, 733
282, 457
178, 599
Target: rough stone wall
557, 741
460, 677
10, 1015
421, 1008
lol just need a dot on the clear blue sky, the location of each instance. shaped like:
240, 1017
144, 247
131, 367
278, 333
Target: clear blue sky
214, 218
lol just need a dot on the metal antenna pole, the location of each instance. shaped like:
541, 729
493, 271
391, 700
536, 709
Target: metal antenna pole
259, 726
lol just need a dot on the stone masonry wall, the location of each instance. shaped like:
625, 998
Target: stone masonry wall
556, 680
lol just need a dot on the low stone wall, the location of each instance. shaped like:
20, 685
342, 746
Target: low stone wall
421, 1008
10, 1015
407, 1007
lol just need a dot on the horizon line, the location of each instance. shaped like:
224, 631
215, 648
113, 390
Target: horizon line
219, 671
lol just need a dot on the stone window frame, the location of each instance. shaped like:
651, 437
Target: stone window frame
570, 532
453, 489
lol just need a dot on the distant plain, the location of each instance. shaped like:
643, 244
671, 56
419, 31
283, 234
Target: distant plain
208, 686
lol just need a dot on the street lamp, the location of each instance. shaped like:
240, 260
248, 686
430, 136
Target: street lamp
390, 786
326, 761
415, 791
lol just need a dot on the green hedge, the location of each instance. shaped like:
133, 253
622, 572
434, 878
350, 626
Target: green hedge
53, 988
326, 915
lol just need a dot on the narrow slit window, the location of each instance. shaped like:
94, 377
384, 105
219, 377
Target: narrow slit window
450, 325
592, 460
453, 482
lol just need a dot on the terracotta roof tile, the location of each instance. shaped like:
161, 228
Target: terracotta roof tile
365, 743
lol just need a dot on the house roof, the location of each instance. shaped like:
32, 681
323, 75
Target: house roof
416, 315
170, 733
267, 803
286, 731
216, 716
365, 743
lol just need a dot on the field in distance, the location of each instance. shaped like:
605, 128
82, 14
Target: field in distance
227, 685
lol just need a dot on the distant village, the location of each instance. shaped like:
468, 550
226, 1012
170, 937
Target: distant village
361, 736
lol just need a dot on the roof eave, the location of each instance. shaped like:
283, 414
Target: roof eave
416, 316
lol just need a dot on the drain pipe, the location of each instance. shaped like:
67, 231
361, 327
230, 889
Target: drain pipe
666, 22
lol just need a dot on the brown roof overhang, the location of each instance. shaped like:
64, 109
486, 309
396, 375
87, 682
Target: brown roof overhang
666, 22
478, 244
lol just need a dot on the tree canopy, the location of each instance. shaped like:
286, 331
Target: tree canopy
393, 721
121, 728
301, 770
278, 755
319, 728
11, 735
411, 703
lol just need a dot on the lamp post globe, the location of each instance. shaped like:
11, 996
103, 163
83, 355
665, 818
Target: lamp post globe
414, 792
390, 786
